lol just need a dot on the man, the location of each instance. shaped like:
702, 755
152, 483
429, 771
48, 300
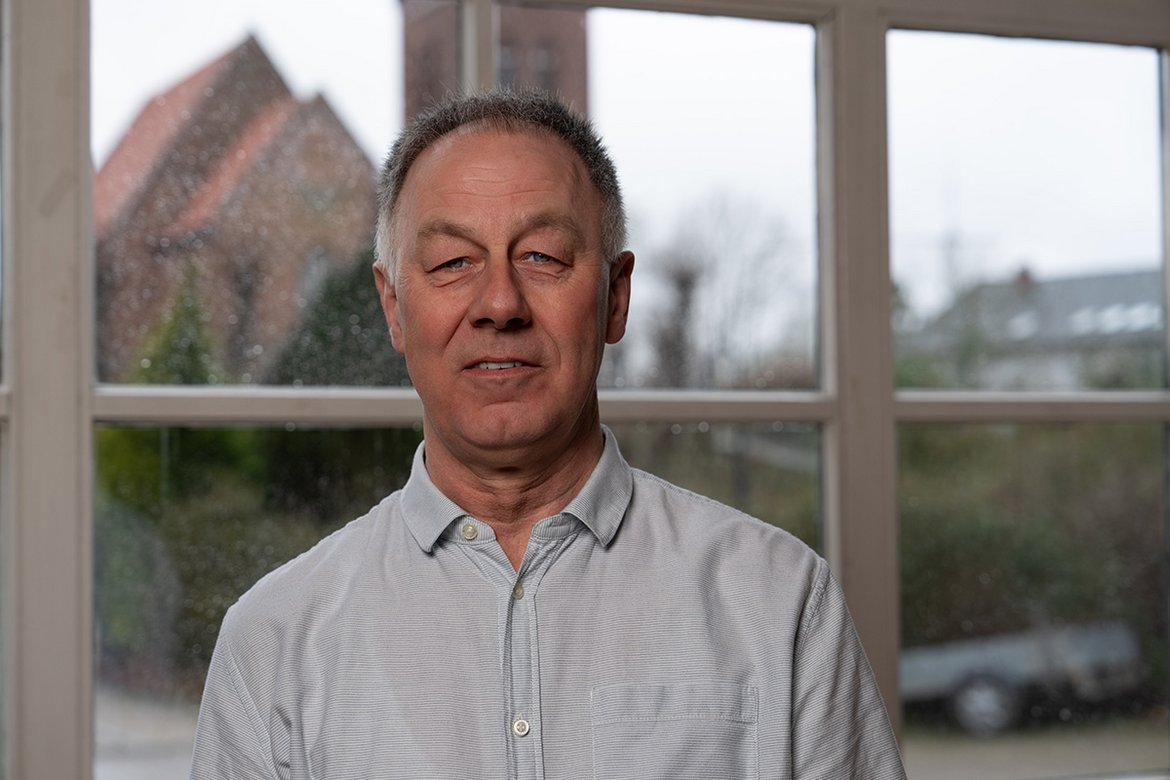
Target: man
529, 606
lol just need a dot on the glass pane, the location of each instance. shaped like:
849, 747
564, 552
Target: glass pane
187, 520
430, 35
234, 196
712, 131
769, 470
544, 48
1024, 194
1034, 600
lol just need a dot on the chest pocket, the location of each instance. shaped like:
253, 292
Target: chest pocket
675, 732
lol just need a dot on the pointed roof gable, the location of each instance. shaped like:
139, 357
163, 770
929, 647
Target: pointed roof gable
156, 130
253, 146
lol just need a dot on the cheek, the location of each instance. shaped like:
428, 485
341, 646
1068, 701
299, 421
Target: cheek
429, 325
587, 329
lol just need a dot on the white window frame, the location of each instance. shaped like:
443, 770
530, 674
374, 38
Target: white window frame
49, 402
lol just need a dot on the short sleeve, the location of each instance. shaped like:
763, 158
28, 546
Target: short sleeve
839, 723
229, 741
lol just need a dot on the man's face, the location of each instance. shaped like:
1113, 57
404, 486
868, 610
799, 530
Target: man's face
502, 300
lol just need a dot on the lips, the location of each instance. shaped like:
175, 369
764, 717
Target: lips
497, 363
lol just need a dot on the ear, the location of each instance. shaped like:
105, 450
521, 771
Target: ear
619, 297
388, 295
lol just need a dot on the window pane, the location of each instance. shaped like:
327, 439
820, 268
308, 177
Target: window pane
1034, 601
769, 470
187, 520
544, 48
1025, 197
710, 121
234, 196
430, 35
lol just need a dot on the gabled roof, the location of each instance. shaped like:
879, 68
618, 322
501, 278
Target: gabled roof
239, 160
1090, 310
143, 150
152, 133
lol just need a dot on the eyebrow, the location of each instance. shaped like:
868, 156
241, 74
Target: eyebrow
442, 227
559, 221
546, 219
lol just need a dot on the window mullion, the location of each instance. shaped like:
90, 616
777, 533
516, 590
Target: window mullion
48, 297
1164, 118
860, 469
477, 29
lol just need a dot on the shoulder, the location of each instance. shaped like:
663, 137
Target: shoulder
313, 585
705, 529
703, 517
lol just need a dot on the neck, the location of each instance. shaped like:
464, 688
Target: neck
512, 490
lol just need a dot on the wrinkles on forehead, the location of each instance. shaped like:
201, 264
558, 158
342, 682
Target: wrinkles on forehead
444, 227
491, 124
482, 179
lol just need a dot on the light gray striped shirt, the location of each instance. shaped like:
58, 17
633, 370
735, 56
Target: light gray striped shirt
650, 633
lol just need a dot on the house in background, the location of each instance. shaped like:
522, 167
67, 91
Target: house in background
229, 196
1099, 330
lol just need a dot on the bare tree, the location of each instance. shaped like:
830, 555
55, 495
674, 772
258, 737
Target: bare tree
739, 306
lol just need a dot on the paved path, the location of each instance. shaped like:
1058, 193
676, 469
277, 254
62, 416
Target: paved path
1060, 751
142, 739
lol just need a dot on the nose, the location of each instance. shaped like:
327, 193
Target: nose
499, 301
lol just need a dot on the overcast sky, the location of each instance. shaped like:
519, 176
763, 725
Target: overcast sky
1016, 152
351, 50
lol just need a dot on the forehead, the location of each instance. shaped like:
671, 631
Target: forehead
476, 161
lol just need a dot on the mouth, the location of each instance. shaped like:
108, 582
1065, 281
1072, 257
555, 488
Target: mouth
505, 365
494, 365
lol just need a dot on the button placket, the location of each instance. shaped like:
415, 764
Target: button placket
520, 699
524, 706
521, 654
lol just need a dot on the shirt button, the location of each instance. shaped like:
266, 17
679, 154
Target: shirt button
470, 532
520, 727
518, 591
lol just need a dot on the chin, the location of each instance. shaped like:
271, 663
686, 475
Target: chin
495, 429
507, 434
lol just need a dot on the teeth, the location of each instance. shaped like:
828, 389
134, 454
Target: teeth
497, 366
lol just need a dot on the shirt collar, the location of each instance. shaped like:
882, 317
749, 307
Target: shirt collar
426, 510
603, 501
600, 505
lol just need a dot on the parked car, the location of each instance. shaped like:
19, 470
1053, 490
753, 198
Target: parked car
987, 682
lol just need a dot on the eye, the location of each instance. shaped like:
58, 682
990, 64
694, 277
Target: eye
458, 262
540, 257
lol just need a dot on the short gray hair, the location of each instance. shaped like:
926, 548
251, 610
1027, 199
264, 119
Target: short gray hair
507, 111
